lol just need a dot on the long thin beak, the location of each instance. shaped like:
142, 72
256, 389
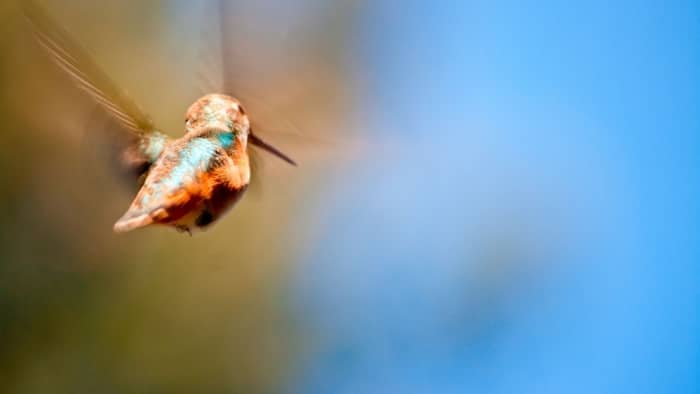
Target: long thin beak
255, 140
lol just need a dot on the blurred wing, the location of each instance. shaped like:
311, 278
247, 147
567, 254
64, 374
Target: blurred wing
227, 63
144, 143
223, 70
290, 76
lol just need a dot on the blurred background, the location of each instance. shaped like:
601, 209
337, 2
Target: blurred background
493, 197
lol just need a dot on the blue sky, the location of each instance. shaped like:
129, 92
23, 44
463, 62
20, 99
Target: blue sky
571, 128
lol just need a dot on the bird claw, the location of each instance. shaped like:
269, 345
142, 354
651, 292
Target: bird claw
183, 229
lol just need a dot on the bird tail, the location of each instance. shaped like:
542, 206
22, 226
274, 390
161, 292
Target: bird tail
128, 222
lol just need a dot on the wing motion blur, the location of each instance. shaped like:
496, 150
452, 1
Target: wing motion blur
219, 68
143, 143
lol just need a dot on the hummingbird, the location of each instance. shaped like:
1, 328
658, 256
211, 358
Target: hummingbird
187, 183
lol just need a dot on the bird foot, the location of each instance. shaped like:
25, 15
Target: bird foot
183, 229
